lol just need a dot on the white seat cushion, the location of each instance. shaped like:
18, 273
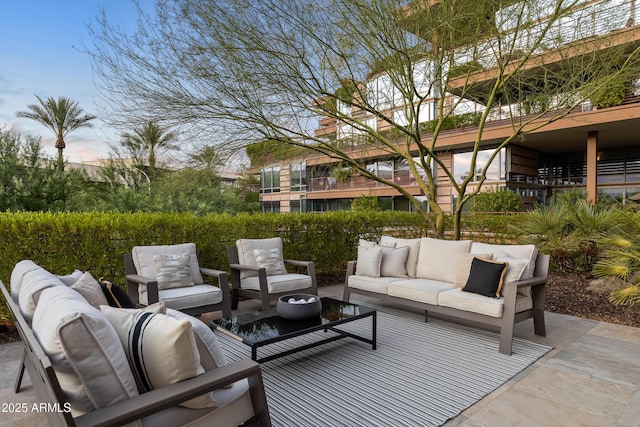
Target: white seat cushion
145, 266
468, 301
17, 274
438, 259
34, 282
84, 349
189, 297
372, 284
422, 290
279, 283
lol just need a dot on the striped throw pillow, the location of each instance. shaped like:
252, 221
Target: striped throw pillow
173, 271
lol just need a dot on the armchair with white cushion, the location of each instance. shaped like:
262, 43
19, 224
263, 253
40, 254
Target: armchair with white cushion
258, 271
171, 273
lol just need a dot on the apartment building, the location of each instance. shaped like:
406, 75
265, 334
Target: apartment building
593, 149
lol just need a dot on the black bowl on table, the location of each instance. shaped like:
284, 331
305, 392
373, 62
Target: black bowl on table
288, 309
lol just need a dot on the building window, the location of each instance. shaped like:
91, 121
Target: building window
270, 206
298, 206
298, 176
495, 171
270, 180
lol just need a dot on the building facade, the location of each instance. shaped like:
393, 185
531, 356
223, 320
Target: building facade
592, 149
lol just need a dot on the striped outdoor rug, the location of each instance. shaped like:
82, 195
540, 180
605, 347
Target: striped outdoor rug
422, 374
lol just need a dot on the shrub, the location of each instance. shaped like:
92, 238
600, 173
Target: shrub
609, 94
365, 204
495, 201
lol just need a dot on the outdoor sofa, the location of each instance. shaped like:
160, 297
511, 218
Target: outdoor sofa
488, 284
82, 365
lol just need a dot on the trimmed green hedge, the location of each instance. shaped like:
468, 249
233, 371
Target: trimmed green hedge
62, 242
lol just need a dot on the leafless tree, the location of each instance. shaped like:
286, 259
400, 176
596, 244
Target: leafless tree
249, 70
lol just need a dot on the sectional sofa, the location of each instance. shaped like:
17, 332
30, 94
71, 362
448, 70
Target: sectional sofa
488, 284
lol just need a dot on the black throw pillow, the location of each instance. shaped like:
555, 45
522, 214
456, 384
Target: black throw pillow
485, 277
116, 296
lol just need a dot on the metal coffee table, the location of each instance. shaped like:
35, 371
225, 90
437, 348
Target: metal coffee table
266, 327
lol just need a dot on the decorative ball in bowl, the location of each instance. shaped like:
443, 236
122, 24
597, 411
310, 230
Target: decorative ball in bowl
299, 306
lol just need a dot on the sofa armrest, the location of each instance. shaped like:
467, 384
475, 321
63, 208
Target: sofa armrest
298, 263
309, 265
133, 282
166, 397
212, 273
351, 268
244, 267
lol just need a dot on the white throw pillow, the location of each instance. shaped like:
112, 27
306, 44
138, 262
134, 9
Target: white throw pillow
84, 349
517, 266
173, 271
438, 258
271, 260
414, 250
528, 252
70, 279
162, 350
90, 289
369, 261
464, 267
369, 243
211, 354
394, 260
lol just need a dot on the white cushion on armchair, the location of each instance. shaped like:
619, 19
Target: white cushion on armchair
187, 297
278, 283
145, 266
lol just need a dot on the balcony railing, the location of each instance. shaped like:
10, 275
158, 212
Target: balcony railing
401, 177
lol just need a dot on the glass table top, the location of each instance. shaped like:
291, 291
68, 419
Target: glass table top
265, 325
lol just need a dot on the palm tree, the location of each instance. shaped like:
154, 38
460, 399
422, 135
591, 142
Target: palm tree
62, 116
150, 138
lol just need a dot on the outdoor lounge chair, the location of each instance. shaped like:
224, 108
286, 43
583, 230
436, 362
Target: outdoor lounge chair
258, 271
157, 273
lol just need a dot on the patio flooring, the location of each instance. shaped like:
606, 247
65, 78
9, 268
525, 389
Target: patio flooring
590, 378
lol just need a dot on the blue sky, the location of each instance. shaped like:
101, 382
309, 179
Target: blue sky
37, 56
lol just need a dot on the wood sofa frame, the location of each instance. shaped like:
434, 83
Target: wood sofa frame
505, 323
48, 389
134, 280
263, 294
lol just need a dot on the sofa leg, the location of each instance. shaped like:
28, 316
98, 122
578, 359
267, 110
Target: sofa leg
426, 316
18, 383
346, 293
235, 297
539, 327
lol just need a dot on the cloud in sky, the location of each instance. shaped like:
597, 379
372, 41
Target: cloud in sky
37, 39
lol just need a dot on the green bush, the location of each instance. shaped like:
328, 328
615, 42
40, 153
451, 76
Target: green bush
495, 201
365, 204
465, 69
610, 94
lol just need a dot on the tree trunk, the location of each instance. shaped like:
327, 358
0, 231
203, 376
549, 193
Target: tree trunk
60, 162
